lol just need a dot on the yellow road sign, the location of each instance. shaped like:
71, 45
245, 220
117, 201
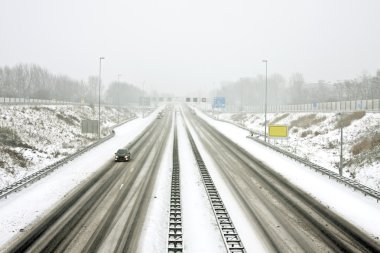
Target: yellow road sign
278, 131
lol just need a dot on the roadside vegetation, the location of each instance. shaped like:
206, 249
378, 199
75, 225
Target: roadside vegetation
366, 144
306, 121
31, 137
278, 118
346, 119
316, 137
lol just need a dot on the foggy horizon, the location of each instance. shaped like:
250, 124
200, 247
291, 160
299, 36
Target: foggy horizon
190, 47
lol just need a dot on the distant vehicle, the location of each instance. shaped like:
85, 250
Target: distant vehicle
160, 115
123, 155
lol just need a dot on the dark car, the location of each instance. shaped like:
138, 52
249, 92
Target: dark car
123, 155
160, 115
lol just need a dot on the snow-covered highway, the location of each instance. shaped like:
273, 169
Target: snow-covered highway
124, 207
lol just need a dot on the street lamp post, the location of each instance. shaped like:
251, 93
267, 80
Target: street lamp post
143, 101
118, 97
266, 93
341, 152
241, 97
100, 81
341, 146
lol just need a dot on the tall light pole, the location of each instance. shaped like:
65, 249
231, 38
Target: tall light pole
266, 93
100, 81
341, 145
241, 97
118, 96
143, 100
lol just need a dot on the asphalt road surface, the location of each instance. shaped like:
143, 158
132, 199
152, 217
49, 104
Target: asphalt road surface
107, 213
287, 219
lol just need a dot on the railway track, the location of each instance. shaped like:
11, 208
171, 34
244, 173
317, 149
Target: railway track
106, 213
289, 220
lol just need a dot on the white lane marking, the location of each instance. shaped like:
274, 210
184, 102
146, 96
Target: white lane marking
132, 169
121, 186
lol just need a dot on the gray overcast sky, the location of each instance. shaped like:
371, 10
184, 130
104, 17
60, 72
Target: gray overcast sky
182, 46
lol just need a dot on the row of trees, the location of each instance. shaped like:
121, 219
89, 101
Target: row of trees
121, 93
33, 81
251, 91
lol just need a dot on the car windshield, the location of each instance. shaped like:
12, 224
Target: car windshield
122, 151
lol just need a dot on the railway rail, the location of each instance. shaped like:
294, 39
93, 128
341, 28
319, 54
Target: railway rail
289, 219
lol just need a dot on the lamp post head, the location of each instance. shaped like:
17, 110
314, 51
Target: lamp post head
265, 61
101, 58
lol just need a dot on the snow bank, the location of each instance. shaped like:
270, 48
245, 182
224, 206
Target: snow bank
35, 137
315, 136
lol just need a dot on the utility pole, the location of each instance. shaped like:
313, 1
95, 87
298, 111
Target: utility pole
266, 93
100, 81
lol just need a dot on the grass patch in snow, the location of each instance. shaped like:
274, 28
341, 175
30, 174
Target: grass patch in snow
69, 119
306, 133
9, 137
36, 108
39, 109
277, 119
331, 145
15, 156
239, 117
347, 119
307, 121
366, 144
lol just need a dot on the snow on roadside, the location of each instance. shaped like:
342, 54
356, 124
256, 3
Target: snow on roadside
200, 230
250, 238
319, 141
33, 137
22, 209
352, 205
154, 236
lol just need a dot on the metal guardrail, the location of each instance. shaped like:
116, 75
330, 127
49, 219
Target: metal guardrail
175, 242
45, 171
5, 101
346, 181
227, 229
34, 101
331, 174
